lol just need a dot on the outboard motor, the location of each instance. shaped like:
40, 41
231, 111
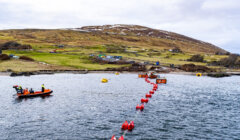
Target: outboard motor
16, 88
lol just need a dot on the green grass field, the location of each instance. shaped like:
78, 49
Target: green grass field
78, 57
76, 61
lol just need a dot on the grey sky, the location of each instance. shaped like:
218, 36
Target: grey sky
214, 21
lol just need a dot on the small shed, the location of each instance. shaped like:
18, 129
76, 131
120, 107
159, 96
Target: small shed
172, 66
101, 55
11, 55
15, 57
60, 46
118, 57
131, 62
109, 57
146, 63
175, 50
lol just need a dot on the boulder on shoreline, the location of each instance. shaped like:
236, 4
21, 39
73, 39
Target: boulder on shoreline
14, 74
134, 68
218, 75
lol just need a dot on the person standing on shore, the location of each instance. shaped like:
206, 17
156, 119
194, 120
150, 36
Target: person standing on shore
43, 88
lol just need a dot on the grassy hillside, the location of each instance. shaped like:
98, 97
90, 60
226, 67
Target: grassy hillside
141, 44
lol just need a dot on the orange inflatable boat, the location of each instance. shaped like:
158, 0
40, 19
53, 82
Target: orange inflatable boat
27, 93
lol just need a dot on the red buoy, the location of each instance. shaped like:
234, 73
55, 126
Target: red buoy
125, 125
148, 96
151, 92
142, 107
113, 137
121, 138
131, 126
144, 100
137, 107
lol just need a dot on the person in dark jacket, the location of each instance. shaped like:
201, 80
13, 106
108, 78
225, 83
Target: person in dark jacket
31, 90
20, 89
43, 88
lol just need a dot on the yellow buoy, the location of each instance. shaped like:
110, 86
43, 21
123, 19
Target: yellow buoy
116, 73
198, 74
104, 80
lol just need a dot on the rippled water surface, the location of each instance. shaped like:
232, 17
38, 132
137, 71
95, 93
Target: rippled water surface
82, 107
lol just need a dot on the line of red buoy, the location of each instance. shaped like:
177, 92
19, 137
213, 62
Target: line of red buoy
130, 126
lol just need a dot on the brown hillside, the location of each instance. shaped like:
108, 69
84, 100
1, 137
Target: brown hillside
159, 38
129, 35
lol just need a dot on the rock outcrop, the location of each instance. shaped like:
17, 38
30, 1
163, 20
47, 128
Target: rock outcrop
195, 68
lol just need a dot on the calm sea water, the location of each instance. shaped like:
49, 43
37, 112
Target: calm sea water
82, 107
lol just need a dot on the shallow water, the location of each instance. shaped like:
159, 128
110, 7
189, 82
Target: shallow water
82, 107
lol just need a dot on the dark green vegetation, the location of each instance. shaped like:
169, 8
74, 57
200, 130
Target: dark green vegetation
232, 61
197, 58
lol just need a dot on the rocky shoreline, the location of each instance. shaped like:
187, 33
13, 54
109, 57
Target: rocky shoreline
49, 72
189, 69
14, 74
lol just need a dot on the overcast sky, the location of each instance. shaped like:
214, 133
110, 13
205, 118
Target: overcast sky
214, 21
